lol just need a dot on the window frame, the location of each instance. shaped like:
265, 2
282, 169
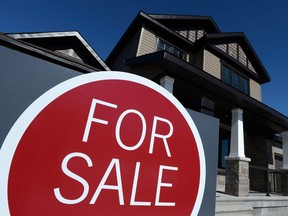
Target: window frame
242, 84
174, 50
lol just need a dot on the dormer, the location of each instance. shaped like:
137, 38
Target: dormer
231, 58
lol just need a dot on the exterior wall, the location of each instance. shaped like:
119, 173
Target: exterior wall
262, 151
255, 90
276, 151
212, 64
235, 51
129, 51
147, 43
256, 149
191, 35
232, 50
197, 59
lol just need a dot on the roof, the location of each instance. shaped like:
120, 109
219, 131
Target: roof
232, 98
164, 25
70, 42
241, 39
141, 19
187, 21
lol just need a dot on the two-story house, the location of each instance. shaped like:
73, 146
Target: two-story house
212, 72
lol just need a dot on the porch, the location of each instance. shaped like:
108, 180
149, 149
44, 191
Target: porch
256, 204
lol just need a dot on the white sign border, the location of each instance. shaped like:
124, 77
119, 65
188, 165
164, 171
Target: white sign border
16, 132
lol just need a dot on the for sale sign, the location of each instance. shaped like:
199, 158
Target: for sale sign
105, 143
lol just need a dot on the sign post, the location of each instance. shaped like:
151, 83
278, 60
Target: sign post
107, 143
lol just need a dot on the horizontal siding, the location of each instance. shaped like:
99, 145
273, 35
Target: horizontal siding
232, 49
222, 47
212, 64
242, 56
192, 36
255, 90
147, 43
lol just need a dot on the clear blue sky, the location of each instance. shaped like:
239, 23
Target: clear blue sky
102, 23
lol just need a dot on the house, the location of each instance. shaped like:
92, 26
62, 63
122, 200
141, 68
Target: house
216, 73
32, 63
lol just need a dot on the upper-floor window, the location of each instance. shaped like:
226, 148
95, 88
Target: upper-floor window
163, 45
234, 79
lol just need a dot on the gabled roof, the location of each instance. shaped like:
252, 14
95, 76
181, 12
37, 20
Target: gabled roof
164, 25
187, 22
141, 19
71, 42
241, 39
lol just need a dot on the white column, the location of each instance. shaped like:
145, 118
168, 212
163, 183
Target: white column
285, 149
237, 134
167, 83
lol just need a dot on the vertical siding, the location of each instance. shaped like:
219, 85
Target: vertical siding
147, 42
255, 90
212, 64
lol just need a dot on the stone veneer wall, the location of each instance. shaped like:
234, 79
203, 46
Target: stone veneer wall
256, 149
237, 177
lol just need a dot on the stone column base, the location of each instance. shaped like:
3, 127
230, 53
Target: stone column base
237, 176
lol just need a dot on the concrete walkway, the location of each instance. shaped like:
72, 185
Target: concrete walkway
256, 204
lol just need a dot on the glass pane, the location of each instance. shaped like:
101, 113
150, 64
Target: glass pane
244, 85
181, 55
168, 47
236, 81
175, 52
161, 45
226, 75
224, 152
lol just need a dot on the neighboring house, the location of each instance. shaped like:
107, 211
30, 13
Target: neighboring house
212, 72
68, 46
32, 63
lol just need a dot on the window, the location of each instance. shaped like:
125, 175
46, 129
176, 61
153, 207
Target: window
235, 79
162, 45
224, 147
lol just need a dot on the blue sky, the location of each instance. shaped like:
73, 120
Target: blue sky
102, 23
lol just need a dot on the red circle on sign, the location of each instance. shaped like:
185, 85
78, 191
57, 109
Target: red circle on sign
112, 146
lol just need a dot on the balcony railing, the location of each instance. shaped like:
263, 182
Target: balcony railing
264, 180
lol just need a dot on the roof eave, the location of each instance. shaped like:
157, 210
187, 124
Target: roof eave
76, 34
45, 54
181, 68
210, 23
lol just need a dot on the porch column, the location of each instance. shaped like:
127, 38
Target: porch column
237, 165
237, 134
167, 83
